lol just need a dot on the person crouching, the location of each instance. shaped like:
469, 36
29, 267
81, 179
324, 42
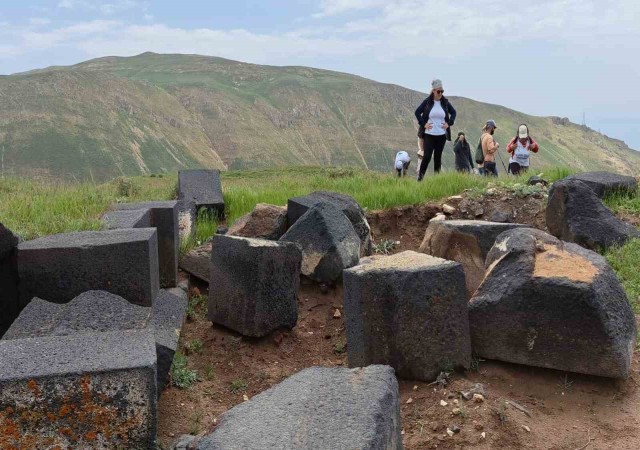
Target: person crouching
519, 148
403, 160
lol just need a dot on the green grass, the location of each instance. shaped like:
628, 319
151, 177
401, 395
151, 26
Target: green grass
625, 261
624, 201
181, 376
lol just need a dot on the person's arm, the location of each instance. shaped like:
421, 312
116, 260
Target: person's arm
511, 147
470, 157
457, 148
419, 112
452, 114
534, 146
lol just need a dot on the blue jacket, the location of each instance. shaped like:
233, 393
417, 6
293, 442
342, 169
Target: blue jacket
422, 113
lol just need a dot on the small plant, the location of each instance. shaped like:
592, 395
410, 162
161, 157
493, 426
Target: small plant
475, 363
197, 307
501, 411
565, 383
238, 386
209, 374
195, 424
384, 247
193, 346
181, 376
339, 348
125, 187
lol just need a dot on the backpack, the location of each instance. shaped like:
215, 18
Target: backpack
479, 152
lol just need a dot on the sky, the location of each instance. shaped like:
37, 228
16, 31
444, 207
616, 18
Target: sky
564, 58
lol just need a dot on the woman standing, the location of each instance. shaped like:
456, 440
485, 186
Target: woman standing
519, 148
435, 116
464, 162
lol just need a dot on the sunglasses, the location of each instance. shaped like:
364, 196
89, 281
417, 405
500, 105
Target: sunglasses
440, 91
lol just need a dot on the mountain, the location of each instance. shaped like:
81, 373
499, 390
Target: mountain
155, 113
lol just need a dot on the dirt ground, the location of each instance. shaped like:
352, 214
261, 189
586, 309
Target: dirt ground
563, 410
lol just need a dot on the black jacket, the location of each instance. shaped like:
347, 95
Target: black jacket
464, 161
423, 111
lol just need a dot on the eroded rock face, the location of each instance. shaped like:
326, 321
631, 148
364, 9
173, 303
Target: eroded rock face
328, 241
409, 311
576, 214
605, 183
264, 222
465, 241
317, 408
552, 304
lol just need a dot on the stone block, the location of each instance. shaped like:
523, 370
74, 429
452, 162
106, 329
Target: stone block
254, 284
203, 187
169, 312
136, 218
409, 311
9, 304
164, 217
605, 183
60, 267
552, 304
198, 262
465, 241
317, 408
85, 390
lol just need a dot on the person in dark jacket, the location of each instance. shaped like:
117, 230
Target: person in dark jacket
462, 150
435, 116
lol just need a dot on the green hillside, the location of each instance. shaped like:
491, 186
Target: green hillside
158, 113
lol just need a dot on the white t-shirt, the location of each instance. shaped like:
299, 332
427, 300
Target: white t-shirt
521, 154
402, 158
436, 117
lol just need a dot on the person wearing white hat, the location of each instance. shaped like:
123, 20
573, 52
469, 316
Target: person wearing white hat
403, 160
435, 117
520, 148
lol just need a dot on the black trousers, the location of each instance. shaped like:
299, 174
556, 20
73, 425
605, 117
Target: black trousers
433, 145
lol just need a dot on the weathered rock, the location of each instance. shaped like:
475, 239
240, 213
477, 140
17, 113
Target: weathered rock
85, 390
317, 408
501, 215
465, 241
298, 206
91, 311
9, 304
264, 222
62, 266
552, 304
408, 310
576, 214
254, 284
164, 217
605, 183
536, 179
328, 241
137, 218
187, 214
198, 261
169, 311
203, 187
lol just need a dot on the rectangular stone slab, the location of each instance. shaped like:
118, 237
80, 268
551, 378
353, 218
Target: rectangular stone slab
169, 312
203, 187
9, 306
58, 268
137, 218
164, 217
198, 262
87, 390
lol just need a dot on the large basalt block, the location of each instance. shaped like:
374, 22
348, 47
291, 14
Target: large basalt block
605, 183
203, 187
328, 241
169, 312
136, 218
164, 217
9, 304
465, 241
409, 311
254, 284
60, 267
552, 304
298, 206
85, 390
317, 408
576, 214
198, 262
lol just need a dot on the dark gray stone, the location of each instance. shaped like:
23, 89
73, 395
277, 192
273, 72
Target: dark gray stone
198, 262
91, 311
465, 241
605, 183
60, 267
203, 187
532, 181
328, 241
501, 216
317, 408
9, 303
86, 390
137, 218
552, 304
164, 217
408, 310
169, 311
576, 214
298, 206
254, 284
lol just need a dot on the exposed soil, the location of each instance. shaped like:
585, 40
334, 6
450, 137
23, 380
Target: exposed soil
567, 411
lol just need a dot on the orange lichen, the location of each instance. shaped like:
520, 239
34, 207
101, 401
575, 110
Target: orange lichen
553, 262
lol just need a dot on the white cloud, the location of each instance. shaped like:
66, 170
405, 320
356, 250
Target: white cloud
106, 9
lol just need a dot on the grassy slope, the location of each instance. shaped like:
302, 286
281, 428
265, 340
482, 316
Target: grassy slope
81, 120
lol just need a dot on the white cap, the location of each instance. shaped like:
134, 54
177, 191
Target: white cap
523, 132
436, 84
399, 165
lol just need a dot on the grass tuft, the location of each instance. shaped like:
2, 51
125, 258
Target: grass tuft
624, 260
181, 376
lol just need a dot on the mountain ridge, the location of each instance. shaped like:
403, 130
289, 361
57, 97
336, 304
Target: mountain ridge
154, 113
